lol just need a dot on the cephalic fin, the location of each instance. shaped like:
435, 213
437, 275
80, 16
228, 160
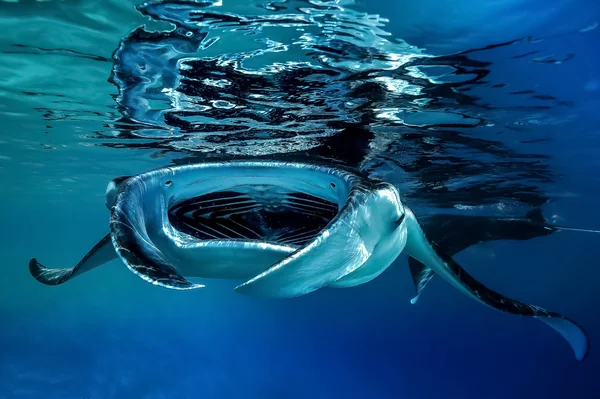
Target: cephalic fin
103, 252
325, 259
143, 258
419, 247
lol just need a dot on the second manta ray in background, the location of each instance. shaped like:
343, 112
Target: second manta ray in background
286, 229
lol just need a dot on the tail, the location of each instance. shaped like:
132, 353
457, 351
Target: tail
431, 255
103, 252
536, 216
575, 229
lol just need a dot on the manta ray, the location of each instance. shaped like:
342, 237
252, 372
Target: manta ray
287, 229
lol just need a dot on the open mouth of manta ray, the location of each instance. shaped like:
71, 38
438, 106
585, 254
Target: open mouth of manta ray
256, 212
237, 220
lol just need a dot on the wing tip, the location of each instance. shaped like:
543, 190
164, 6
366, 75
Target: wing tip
573, 333
46, 275
35, 269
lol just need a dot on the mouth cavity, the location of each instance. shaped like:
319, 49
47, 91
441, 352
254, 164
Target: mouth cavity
265, 213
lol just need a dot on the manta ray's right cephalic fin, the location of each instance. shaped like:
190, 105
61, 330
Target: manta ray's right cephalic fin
103, 252
429, 253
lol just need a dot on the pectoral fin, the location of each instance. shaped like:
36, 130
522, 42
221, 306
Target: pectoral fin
103, 252
433, 257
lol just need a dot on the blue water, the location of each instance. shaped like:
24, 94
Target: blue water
468, 107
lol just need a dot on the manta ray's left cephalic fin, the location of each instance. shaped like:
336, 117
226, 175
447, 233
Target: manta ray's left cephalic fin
420, 248
103, 252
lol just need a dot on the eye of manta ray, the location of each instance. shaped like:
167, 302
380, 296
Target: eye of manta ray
288, 229
254, 212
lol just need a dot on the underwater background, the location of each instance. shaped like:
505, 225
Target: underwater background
468, 107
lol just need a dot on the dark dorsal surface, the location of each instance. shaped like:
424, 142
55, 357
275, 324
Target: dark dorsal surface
268, 214
455, 233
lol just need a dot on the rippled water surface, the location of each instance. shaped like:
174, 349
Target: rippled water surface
468, 107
